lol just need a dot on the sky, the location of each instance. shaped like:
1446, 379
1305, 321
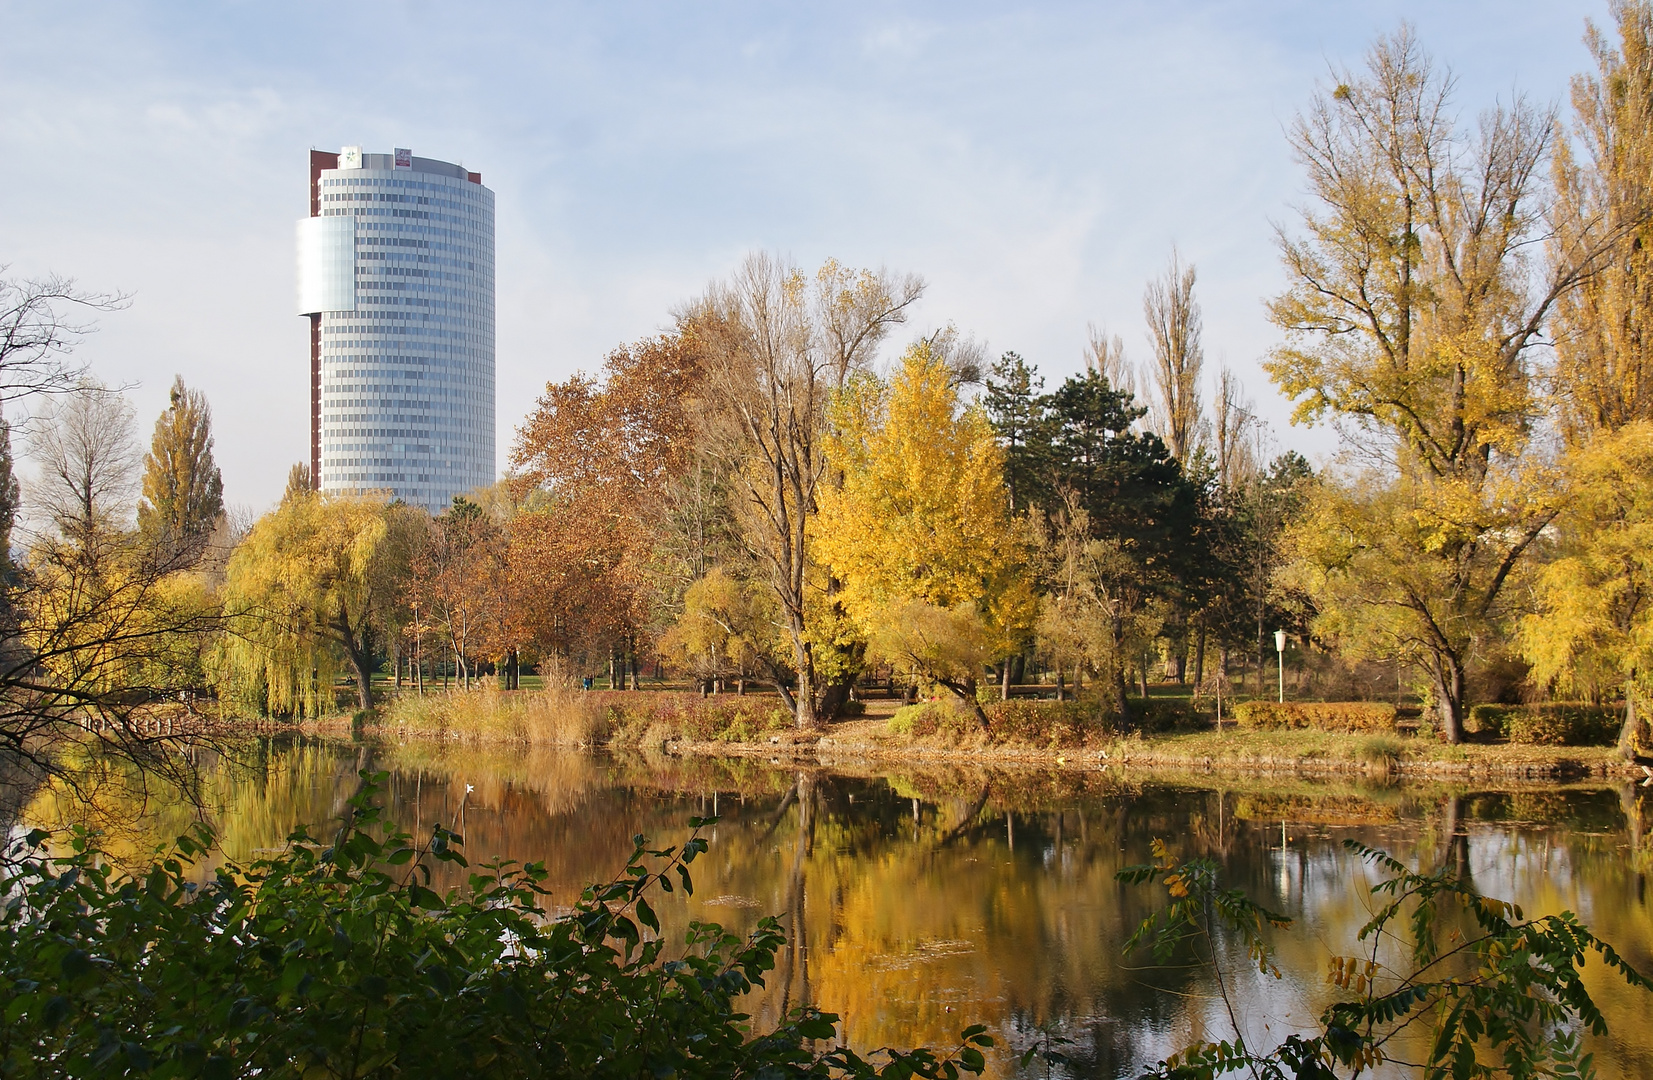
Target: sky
1035, 163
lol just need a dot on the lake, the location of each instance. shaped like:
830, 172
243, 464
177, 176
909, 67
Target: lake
923, 899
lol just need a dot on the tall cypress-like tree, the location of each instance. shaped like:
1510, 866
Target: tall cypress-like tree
298, 482
183, 492
8, 500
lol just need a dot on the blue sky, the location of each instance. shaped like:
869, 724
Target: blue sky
1034, 162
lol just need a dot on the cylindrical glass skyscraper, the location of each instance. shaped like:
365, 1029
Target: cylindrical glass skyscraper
396, 274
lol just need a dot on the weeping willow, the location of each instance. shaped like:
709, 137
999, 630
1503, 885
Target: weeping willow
299, 595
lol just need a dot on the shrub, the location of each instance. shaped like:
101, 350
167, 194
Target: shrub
335, 958
1487, 719
931, 718
1550, 723
1380, 750
731, 719
1320, 715
1165, 714
1044, 723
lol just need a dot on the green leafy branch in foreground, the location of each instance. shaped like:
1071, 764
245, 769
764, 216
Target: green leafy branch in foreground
338, 960
1486, 992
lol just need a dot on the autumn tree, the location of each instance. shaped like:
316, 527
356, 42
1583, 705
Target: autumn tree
1593, 630
1234, 425
1411, 319
458, 583
85, 447
91, 635
574, 578
726, 631
307, 591
778, 346
1173, 317
948, 646
183, 492
298, 481
922, 515
1603, 329
604, 458
1094, 613
1105, 355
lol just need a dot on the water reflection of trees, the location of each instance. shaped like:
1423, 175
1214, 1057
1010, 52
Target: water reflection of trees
925, 899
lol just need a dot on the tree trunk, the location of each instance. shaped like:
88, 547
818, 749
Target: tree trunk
1061, 687
1120, 688
803, 703
1632, 734
833, 698
358, 649
1199, 655
1004, 682
1449, 694
967, 691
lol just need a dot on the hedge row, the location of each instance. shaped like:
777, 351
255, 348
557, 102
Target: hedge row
1549, 723
1039, 723
1320, 715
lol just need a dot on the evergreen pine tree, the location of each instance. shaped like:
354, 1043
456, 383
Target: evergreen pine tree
183, 492
1014, 409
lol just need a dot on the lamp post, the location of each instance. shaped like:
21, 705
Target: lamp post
1280, 647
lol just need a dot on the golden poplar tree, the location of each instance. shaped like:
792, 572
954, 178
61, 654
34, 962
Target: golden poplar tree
183, 492
920, 531
1603, 376
1593, 631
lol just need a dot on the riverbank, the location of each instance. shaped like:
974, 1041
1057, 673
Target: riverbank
749, 727
1248, 751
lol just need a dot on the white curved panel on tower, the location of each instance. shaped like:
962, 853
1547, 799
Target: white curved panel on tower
326, 264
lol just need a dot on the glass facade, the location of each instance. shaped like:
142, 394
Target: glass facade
407, 371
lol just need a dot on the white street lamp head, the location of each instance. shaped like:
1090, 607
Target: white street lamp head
1279, 641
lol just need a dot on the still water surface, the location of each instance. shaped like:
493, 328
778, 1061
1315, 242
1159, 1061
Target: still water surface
922, 900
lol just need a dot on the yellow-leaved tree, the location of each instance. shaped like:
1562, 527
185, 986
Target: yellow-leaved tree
307, 590
1412, 319
1593, 632
920, 532
727, 630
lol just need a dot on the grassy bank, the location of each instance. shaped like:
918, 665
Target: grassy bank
561, 716
1236, 749
1172, 737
